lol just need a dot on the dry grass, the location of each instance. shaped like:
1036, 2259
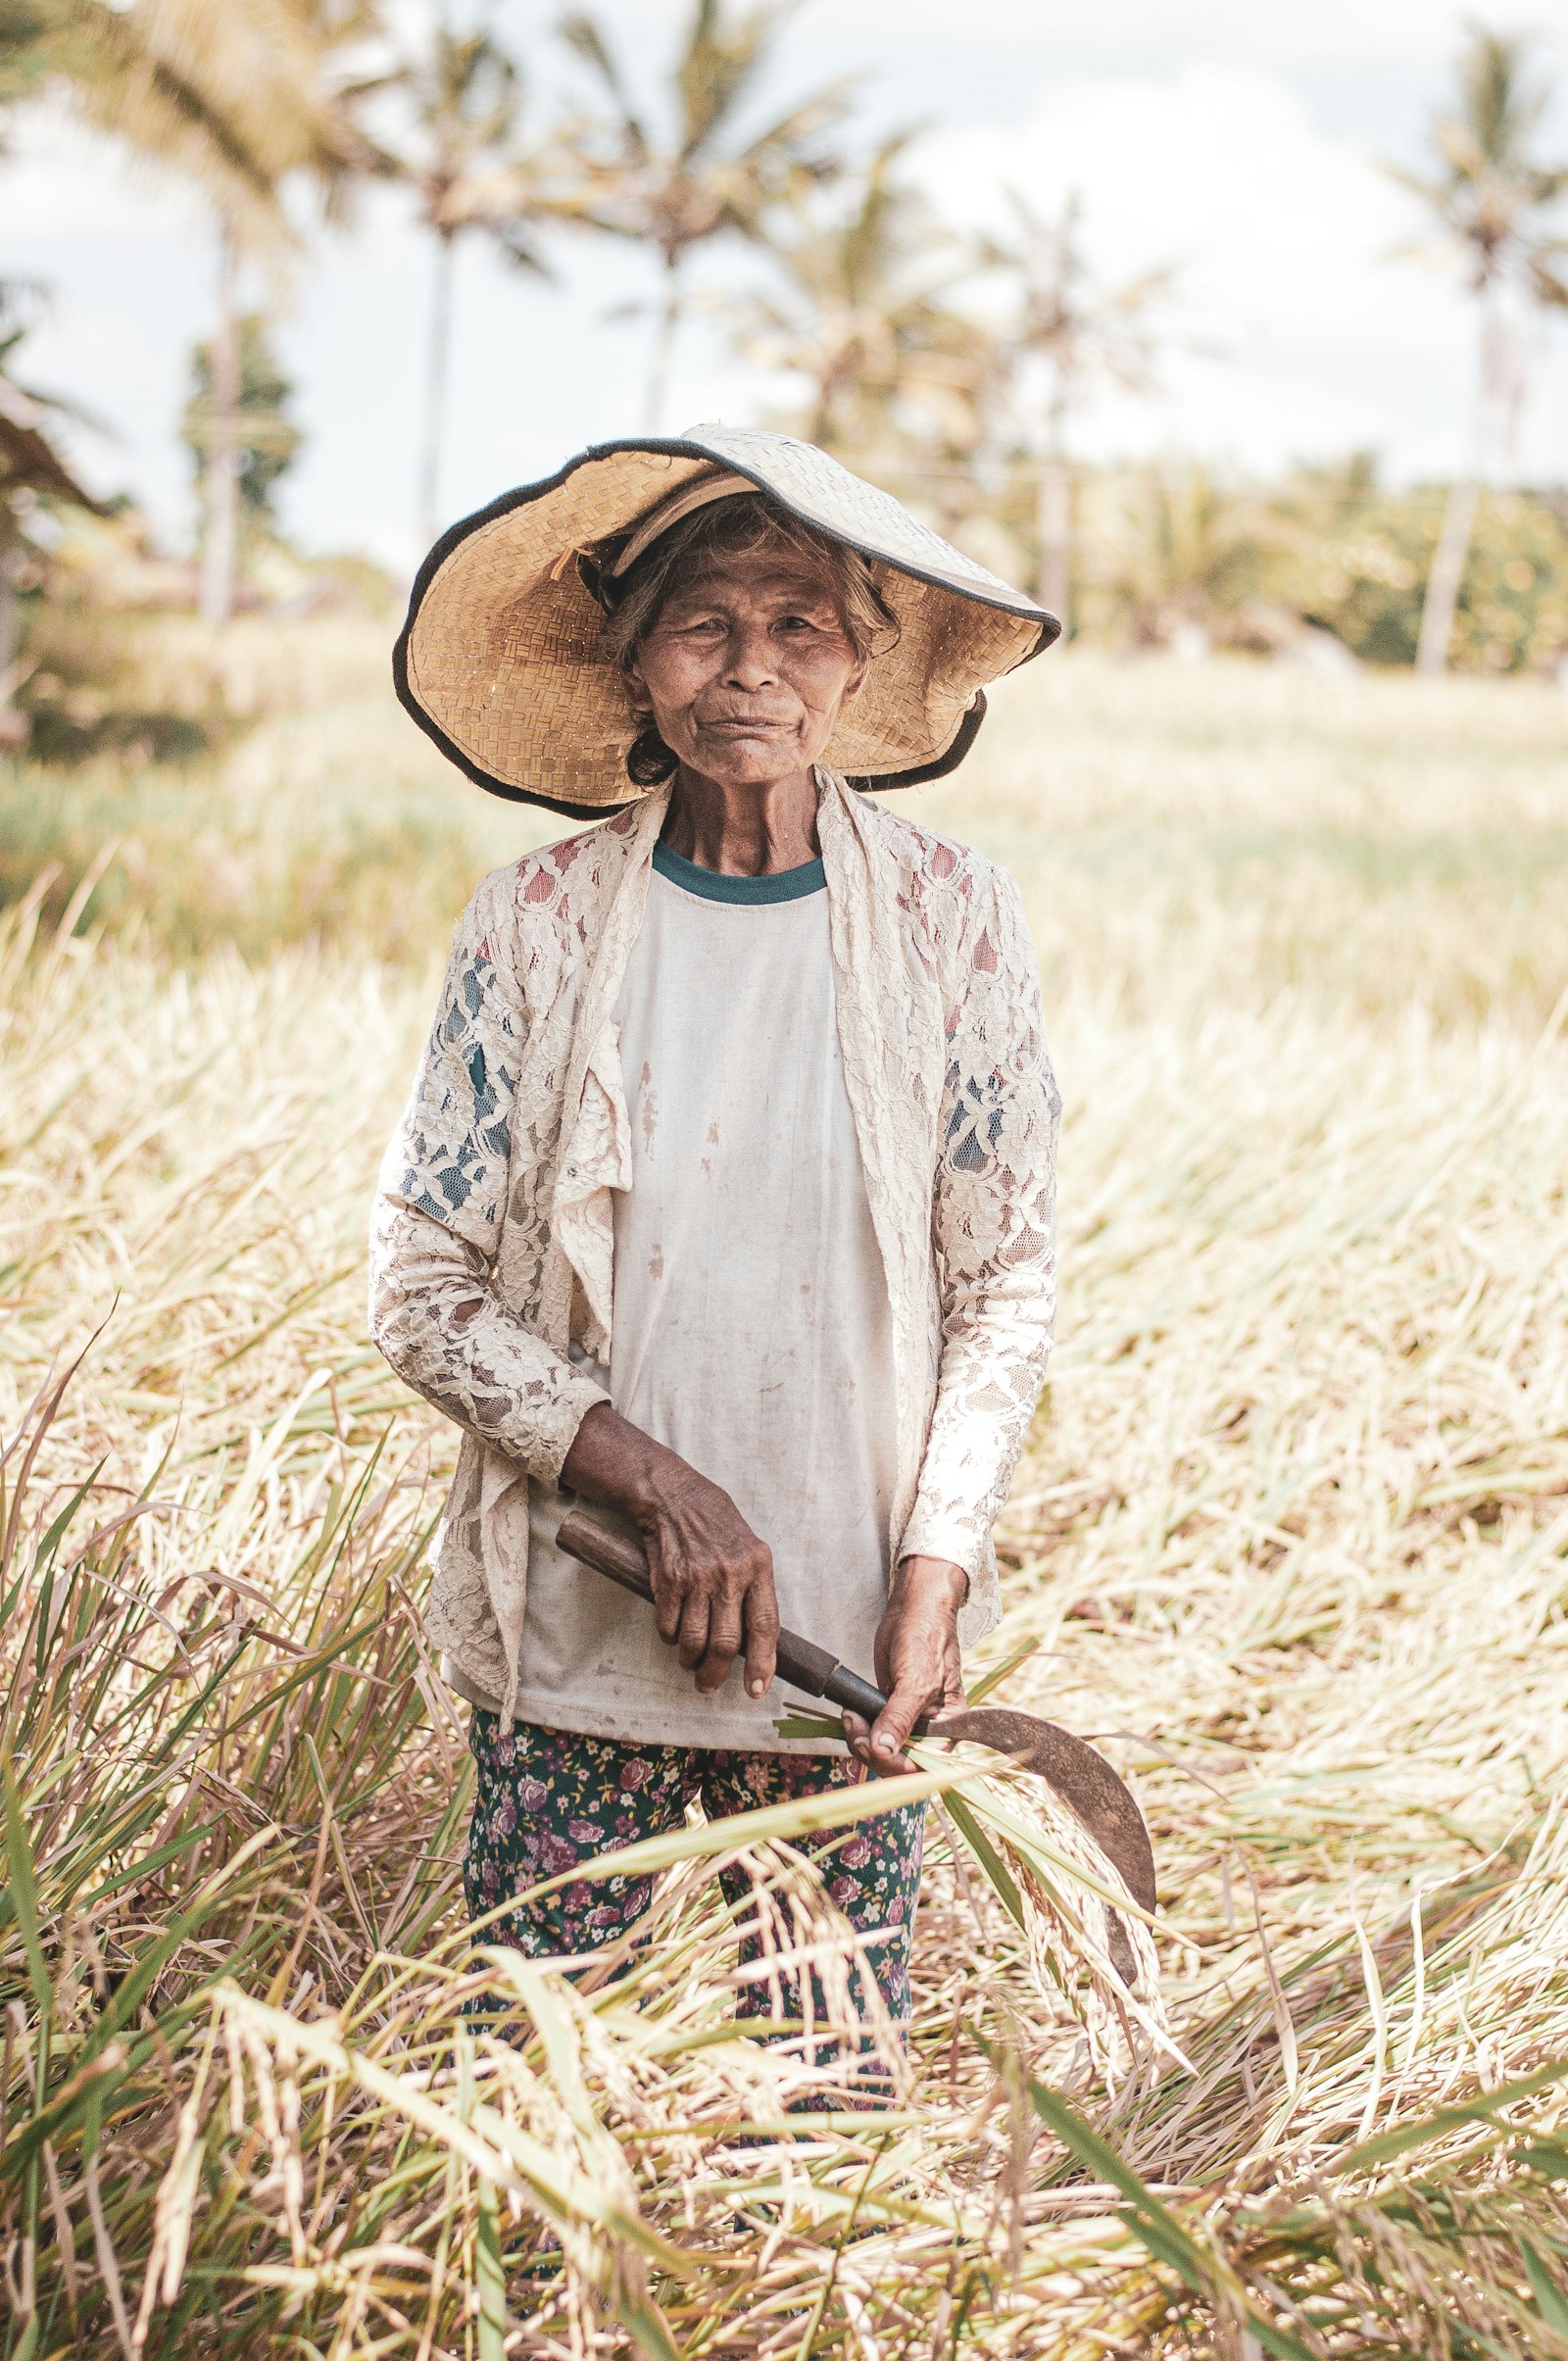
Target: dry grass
1213, 837
1291, 1534
326, 821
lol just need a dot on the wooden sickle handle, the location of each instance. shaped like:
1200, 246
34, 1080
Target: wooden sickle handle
813, 1669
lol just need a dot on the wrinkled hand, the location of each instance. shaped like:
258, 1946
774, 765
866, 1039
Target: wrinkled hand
712, 1577
917, 1666
712, 1583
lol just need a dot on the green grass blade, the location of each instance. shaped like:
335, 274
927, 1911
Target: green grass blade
23, 1892
489, 2276
1482, 2109
1546, 2290
805, 1815
985, 1683
996, 1869
1154, 2222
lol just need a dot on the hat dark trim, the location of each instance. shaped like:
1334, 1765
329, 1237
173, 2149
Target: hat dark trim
963, 737
678, 447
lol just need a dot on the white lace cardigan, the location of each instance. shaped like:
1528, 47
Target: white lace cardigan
492, 1248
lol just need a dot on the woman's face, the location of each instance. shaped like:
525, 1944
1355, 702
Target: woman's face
745, 669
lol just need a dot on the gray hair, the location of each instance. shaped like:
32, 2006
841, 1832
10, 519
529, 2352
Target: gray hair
745, 527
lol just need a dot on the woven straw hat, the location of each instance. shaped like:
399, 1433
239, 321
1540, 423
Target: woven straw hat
498, 659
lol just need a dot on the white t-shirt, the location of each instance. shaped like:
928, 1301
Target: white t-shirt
753, 1329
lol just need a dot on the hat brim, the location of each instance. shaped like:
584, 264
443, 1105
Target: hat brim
498, 660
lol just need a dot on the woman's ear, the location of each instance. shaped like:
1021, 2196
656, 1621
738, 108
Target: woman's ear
855, 683
636, 686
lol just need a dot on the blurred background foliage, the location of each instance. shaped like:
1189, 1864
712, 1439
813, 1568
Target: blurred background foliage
266, 436
959, 372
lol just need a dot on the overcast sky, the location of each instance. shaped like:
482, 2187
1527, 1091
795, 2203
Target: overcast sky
1237, 140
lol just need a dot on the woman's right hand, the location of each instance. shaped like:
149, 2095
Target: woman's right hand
712, 1577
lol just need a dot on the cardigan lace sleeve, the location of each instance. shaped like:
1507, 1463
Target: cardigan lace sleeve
434, 1312
993, 1233
435, 1318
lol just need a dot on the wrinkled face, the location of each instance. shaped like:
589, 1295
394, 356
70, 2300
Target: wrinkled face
744, 669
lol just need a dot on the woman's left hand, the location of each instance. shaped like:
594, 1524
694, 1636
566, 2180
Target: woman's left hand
917, 1664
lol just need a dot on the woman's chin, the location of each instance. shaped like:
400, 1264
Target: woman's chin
749, 762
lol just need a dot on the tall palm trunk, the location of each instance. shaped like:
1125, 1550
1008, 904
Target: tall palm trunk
13, 671
1446, 577
220, 476
1441, 601
832, 384
663, 344
9, 634
436, 387
1054, 513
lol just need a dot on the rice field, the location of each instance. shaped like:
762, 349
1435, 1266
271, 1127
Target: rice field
1290, 1540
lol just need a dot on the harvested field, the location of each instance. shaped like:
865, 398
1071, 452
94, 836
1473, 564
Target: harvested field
1291, 1537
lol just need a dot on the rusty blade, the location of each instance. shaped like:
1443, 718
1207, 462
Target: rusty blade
1079, 1775
1092, 1791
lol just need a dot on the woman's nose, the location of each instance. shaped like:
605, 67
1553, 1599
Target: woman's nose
751, 659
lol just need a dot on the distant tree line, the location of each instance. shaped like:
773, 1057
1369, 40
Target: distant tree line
958, 370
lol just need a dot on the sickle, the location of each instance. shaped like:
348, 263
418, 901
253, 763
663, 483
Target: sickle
1071, 1768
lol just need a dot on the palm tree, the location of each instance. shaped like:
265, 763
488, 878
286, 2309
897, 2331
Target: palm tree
31, 33
1081, 332
1492, 201
240, 98
861, 315
710, 176
469, 171
30, 469
266, 436
1172, 550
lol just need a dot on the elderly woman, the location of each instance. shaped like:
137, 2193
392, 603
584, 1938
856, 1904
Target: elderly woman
724, 1198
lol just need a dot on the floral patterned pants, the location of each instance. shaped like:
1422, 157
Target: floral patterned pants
550, 1799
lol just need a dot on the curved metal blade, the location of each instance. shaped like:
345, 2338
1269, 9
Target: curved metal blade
1086, 1783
